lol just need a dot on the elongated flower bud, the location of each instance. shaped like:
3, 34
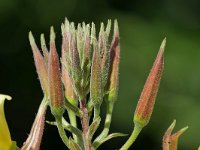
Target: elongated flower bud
147, 98
55, 83
69, 91
115, 59
34, 139
40, 65
105, 53
95, 79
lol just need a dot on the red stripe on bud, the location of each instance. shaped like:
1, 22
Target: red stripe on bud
55, 83
146, 102
115, 60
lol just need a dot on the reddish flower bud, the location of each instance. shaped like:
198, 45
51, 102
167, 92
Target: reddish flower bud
55, 83
175, 137
170, 142
40, 65
69, 91
35, 137
166, 137
44, 48
147, 98
114, 66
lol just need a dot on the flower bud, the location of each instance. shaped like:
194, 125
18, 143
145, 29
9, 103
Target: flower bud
166, 137
69, 91
40, 64
175, 137
35, 137
105, 53
95, 79
55, 83
170, 142
147, 98
114, 66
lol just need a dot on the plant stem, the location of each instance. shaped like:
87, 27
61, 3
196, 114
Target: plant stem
107, 123
96, 111
85, 125
132, 138
72, 118
62, 132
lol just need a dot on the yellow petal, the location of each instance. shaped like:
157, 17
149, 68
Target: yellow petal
5, 139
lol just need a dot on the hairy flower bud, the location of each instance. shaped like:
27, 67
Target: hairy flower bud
114, 66
55, 83
105, 52
40, 64
34, 139
95, 79
147, 98
69, 91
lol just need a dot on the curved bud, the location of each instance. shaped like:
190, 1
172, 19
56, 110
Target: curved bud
40, 65
55, 83
35, 137
146, 102
170, 142
174, 139
166, 137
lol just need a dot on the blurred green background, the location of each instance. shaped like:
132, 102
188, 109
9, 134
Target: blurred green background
143, 24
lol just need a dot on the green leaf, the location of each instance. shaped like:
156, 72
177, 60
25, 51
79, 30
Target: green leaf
73, 145
113, 135
93, 127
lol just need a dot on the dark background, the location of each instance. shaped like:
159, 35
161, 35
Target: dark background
143, 25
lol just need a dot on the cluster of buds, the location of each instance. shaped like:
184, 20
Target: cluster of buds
89, 74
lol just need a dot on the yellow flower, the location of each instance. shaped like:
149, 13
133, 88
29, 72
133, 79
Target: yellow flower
5, 139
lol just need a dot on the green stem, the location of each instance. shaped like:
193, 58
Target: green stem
107, 123
96, 111
62, 132
72, 118
132, 138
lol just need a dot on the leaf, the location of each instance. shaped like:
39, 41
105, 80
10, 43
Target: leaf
113, 135
73, 145
93, 127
